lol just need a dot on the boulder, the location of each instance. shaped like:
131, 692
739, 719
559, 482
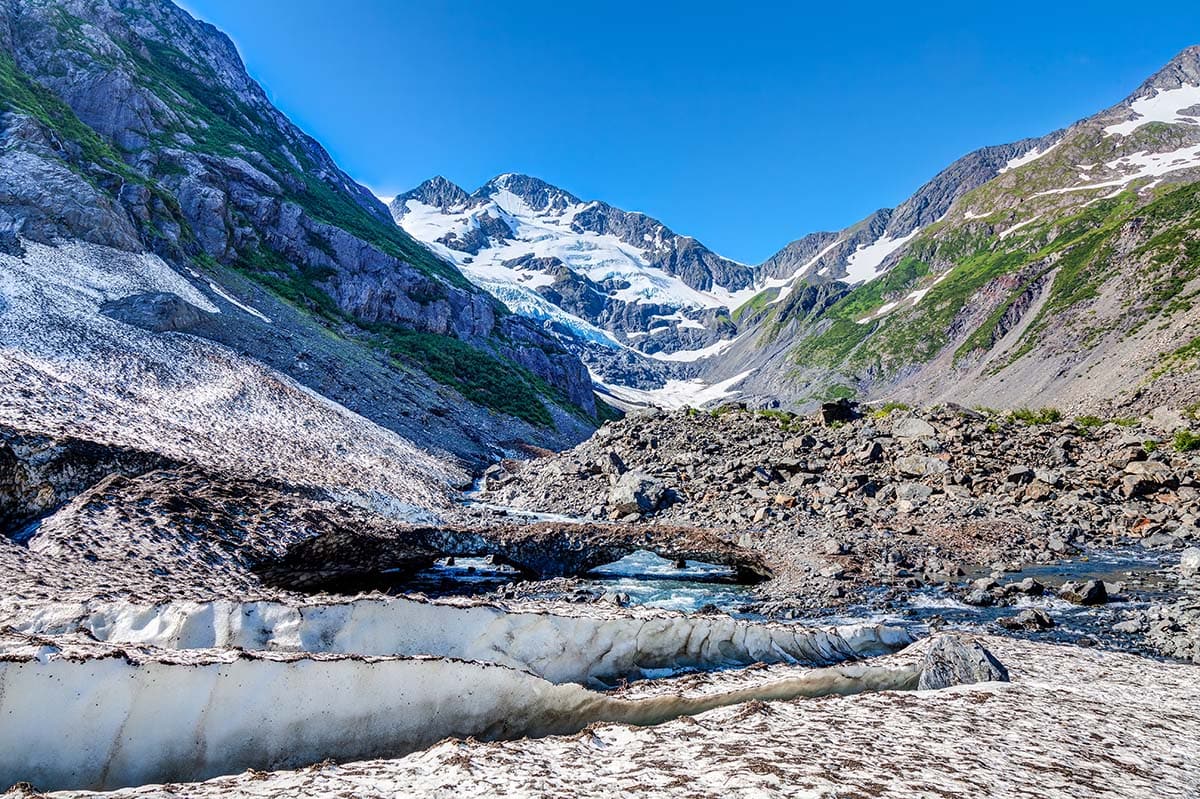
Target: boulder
1028, 619
840, 411
979, 598
1133, 485
920, 466
913, 492
1091, 592
1152, 471
870, 452
912, 427
1037, 491
635, 492
1019, 474
1167, 420
1028, 587
1189, 562
1129, 626
158, 312
951, 661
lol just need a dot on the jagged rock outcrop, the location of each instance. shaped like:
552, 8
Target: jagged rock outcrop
951, 661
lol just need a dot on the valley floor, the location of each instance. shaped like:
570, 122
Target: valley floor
171, 629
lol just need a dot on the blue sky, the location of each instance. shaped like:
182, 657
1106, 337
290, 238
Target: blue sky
746, 125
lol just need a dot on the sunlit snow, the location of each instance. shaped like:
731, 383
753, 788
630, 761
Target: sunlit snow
677, 393
1138, 166
545, 234
1162, 106
1027, 158
864, 263
688, 356
235, 302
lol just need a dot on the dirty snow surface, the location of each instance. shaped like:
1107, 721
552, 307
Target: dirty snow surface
65, 368
1071, 723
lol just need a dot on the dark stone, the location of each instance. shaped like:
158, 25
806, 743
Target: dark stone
1028, 587
950, 661
1028, 619
1091, 592
842, 410
158, 312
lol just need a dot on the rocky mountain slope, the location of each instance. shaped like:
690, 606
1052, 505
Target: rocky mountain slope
846, 493
131, 129
1059, 270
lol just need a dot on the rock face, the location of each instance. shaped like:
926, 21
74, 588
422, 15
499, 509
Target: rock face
166, 145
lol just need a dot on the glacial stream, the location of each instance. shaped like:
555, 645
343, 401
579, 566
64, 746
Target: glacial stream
644, 579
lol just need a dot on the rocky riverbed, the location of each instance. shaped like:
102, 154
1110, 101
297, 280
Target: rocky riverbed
878, 508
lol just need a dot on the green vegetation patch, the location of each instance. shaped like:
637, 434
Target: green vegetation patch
1186, 441
755, 304
888, 408
495, 383
1038, 416
22, 94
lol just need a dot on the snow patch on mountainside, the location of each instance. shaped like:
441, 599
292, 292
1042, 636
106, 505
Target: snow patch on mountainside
1027, 158
676, 393
1162, 106
1138, 166
229, 298
784, 284
910, 299
690, 356
864, 263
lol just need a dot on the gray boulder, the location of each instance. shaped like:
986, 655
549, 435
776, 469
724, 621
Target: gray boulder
1091, 592
636, 492
951, 661
1028, 619
1189, 562
920, 466
912, 427
159, 312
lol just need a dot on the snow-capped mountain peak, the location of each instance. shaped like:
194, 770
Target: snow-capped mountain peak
536, 193
610, 276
